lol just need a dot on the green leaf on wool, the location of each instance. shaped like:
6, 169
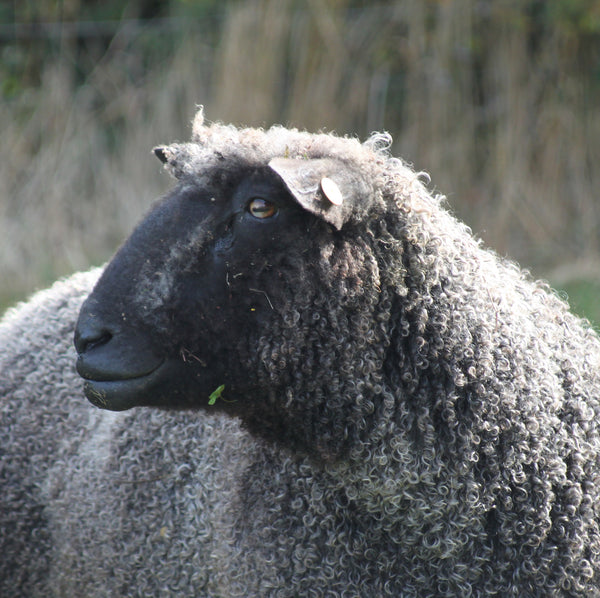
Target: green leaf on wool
216, 394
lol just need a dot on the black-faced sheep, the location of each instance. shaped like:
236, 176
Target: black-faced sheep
92, 503
421, 417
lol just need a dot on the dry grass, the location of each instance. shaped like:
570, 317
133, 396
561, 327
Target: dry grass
505, 118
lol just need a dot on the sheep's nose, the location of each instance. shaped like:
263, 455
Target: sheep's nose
89, 334
107, 352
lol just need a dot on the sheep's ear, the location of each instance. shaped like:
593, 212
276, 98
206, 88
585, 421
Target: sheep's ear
159, 152
326, 187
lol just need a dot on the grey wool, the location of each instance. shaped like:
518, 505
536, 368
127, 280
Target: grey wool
93, 503
404, 413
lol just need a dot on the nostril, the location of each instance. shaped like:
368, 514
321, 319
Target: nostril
89, 337
90, 344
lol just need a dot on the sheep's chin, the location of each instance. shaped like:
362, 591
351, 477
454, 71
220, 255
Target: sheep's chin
152, 389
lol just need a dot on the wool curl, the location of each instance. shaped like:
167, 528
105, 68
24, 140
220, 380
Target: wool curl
466, 395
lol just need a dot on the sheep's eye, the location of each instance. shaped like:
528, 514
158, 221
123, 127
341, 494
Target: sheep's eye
261, 208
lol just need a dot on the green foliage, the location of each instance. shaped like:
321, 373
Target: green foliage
584, 298
216, 394
198, 8
8, 300
576, 17
7, 13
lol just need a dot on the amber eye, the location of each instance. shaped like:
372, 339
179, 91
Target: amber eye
261, 208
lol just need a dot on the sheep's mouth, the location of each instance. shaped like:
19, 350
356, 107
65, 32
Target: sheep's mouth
123, 393
168, 383
119, 390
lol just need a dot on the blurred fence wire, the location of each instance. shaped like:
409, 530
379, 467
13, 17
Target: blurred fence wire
85, 29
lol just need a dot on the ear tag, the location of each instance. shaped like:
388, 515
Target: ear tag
331, 191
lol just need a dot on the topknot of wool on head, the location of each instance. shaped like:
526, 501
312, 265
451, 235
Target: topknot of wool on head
218, 146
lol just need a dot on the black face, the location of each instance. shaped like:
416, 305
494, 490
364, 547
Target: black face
189, 294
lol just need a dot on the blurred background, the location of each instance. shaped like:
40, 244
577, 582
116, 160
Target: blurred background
499, 100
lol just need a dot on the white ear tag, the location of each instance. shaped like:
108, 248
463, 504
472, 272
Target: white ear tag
331, 191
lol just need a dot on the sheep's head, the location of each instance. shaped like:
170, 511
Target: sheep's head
237, 284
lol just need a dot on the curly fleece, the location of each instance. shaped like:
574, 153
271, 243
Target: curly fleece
429, 424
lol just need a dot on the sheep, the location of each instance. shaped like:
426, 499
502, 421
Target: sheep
327, 387
83, 493
38, 407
